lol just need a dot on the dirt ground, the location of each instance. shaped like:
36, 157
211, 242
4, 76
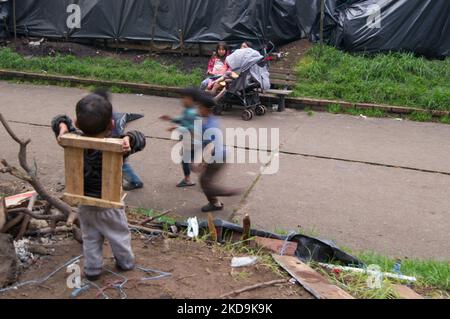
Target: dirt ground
292, 53
47, 48
197, 271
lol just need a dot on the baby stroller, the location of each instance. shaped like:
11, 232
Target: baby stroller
251, 77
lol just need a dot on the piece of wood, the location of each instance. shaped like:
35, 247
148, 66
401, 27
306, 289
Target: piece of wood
18, 199
405, 292
27, 218
114, 145
74, 170
212, 228
287, 77
246, 223
112, 176
253, 287
278, 92
310, 279
2, 212
276, 245
74, 200
287, 83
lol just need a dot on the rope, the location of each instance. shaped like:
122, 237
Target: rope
286, 243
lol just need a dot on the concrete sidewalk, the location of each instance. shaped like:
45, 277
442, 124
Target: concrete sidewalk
335, 177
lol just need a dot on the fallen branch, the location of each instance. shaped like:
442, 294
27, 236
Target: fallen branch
29, 175
150, 219
155, 231
26, 211
253, 287
49, 230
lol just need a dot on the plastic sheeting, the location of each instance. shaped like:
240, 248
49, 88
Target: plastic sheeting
4, 15
308, 248
421, 26
180, 22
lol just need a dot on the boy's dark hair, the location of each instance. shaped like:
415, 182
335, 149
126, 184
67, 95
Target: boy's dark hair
191, 92
206, 100
94, 113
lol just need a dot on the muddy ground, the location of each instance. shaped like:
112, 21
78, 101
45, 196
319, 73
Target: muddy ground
292, 53
197, 271
49, 48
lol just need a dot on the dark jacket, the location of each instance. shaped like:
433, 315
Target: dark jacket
93, 158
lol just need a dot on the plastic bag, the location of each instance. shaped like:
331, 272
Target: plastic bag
192, 229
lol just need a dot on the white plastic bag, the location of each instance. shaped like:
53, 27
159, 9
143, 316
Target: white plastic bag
243, 261
192, 230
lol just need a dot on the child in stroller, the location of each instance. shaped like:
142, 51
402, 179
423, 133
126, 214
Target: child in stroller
242, 85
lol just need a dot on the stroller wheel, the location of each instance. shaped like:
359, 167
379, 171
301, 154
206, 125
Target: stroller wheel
218, 109
247, 115
260, 110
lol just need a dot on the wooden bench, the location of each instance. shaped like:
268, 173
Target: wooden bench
112, 162
282, 81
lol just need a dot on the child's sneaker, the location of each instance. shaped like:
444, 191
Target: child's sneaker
93, 277
120, 268
212, 207
132, 186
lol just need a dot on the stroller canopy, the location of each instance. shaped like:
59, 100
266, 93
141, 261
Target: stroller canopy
243, 60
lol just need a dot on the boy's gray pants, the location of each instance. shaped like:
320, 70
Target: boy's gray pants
96, 225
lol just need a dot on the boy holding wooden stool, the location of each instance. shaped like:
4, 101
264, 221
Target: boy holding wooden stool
99, 218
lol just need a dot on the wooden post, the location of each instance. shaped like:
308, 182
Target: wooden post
2, 212
112, 162
322, 17
14, 21
155, 17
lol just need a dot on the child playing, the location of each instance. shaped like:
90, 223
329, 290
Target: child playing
217, 66
94, 118
214, 147
186, 122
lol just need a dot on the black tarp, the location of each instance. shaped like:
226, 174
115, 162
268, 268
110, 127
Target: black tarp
421, 26
308, 248
187, 21
4, 15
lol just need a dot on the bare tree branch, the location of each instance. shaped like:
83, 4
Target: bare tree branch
30, 176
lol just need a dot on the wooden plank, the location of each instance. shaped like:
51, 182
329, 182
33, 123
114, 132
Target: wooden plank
2, 212
278, 92
311, 280
286, 77
74, 170
276, 245
283, 83
74, 200
283, 71
100, 144
405, 292
112, 176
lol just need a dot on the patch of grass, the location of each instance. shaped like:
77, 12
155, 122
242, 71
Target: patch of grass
334, 108
429, 273
420, 117
394, 78
101, 68
445, 119
166, 220
356, 284
366, 112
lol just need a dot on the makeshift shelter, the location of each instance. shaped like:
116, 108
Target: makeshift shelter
420, 26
